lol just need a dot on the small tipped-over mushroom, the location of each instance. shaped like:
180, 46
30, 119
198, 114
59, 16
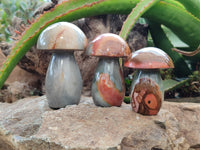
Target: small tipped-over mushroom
63, 79
108, 83
146, 90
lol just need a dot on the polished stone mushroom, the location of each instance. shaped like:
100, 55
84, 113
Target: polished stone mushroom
108, 82
63, 79
147, 90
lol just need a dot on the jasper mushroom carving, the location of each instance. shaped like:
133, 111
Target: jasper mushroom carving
108, 83
63, 81
147, 90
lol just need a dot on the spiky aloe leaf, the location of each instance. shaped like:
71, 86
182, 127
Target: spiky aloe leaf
135, 14
170, 84
192, 6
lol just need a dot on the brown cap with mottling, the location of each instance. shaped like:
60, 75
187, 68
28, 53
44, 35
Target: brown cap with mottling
108, 45
149, 58
62, 36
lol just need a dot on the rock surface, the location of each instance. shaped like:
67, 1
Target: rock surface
19, 84
29, 124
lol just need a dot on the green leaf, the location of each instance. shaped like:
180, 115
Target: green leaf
135, 14
127, 99
171, 84
174, 39
193, 6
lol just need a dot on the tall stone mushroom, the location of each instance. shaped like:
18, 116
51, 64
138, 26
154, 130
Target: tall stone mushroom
63, 81
147, 89
108, 82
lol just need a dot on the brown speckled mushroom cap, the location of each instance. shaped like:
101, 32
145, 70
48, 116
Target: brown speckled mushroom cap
62, 36
149, 58
108, 45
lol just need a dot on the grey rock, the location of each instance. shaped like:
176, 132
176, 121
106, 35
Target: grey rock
29, 124
19, 84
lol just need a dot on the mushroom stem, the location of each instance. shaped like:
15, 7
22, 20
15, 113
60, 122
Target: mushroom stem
147, 92
108, 84
63, 80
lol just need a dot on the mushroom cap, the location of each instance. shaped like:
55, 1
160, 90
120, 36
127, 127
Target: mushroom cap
149, 58
108, 45
62, 36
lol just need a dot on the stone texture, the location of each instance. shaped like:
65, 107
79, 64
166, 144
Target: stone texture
18, 74
19, 84
29, 124
20, 120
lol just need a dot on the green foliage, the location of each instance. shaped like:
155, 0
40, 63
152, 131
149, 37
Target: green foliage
167, 74
171, 84
173, 14
23, 9
127, 99
128, 82
185, 87
192, 87
166, 39
135, 14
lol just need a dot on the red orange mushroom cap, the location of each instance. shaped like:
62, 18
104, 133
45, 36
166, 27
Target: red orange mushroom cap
109, 45
149, 58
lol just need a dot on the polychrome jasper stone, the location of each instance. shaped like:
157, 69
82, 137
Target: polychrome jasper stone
147, 94
63, 81
108, 45
146, 91
108, 83
62, 36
